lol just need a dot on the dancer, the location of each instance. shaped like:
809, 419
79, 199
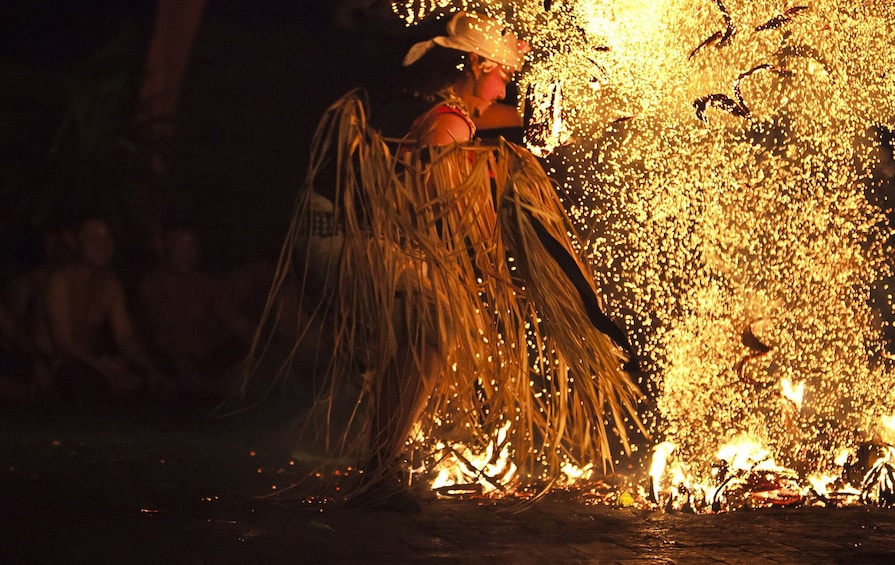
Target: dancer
443, 271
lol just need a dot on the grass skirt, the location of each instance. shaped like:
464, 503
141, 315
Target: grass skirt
466, 249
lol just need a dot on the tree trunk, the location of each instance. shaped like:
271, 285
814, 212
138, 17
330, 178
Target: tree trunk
169, 51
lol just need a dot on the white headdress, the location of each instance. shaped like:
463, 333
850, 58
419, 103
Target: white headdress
475, 33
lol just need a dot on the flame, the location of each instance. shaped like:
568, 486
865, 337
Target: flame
843, 457
795, 393
661, 452
889, 422
745, 453
820, 483
490, 469
888, 429
574, 474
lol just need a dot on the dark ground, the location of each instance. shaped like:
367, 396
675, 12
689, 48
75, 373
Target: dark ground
144, 483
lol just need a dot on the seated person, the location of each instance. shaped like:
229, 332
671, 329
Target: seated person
24, 288
189, 322
88, 349
23, 296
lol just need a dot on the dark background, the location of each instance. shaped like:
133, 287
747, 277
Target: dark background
260, 75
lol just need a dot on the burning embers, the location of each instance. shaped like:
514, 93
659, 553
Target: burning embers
745, 476
460, 471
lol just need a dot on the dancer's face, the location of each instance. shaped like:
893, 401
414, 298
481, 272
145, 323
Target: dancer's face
490, 85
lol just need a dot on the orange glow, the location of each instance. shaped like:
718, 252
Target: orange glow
735, 241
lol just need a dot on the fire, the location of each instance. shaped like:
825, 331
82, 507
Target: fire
793, 392
661, 452
574, 474
746, 454
888, 429
745, 476
821, 483
460, 470
717, 184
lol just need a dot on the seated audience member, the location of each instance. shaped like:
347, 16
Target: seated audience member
24, 289
190, 324
88, 348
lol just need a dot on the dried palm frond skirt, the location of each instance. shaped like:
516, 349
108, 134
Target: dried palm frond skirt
465, 250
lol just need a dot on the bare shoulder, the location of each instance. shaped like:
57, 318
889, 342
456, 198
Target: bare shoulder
444, 128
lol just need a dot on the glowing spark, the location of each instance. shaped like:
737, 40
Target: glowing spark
699, 228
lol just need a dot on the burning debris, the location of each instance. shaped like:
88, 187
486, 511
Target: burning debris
745, 477
782, 19
460, 471
719, 38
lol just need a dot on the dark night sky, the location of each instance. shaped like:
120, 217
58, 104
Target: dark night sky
261, 74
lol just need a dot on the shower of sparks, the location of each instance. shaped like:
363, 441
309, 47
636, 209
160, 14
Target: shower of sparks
718, 158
